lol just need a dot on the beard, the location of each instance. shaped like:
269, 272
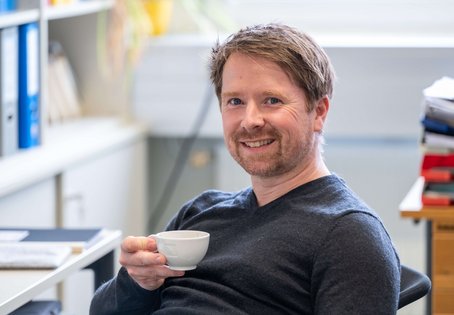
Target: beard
284, 158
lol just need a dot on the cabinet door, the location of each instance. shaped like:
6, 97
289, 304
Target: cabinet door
33, 206
108, 191
443, 267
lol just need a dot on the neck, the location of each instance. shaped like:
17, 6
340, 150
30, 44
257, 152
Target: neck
267, 189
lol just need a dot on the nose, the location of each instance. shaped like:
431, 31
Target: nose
253, 117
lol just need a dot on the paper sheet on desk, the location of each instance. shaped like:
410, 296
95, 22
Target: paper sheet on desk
13, 235
16, 255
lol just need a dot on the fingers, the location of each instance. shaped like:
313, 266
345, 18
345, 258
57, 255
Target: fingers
133, 244
139, 251
152, 277
144, 264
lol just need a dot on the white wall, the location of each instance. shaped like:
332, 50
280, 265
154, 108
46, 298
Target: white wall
395, 17
384, 53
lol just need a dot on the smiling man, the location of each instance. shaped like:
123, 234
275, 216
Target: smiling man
298, 241
268, 127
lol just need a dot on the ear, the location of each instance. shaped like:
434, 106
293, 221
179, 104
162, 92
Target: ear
321, 111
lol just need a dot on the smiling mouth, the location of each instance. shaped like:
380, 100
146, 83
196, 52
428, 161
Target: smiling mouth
257, 144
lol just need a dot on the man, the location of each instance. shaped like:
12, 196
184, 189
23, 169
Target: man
299, 241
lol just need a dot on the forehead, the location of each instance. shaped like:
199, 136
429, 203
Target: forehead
240, 68
243, 59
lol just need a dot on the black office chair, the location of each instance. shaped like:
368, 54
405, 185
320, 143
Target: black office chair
413, 286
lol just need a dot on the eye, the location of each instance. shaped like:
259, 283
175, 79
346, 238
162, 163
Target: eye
234, 101
273, 101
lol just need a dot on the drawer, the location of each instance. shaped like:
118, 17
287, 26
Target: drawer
443, 249
442, 300
443, 254
446, 227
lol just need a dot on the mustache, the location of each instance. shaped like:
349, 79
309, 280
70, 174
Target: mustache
245, 135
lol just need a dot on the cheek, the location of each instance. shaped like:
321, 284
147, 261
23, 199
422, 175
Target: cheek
230, 118
228, 125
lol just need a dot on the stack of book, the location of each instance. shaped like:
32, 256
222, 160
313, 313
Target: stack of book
437, 165
64, 102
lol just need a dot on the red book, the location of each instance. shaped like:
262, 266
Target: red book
438, 167
428, 200
438, 174
437, 160
438, 194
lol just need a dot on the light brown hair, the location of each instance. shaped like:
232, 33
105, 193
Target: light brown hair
295, 52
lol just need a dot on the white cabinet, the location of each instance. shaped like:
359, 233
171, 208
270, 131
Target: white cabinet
107, 191
33, 206
86, 172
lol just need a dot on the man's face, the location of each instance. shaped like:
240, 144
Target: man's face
267, 128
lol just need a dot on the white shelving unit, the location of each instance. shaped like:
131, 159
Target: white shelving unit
87, 172
20, 17
32, 165
77, 9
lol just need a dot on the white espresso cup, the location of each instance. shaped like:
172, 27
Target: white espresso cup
183, 249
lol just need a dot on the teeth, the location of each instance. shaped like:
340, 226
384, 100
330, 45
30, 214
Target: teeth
257, 144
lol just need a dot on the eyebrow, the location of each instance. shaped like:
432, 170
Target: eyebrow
275, 94
267, 93
229, 94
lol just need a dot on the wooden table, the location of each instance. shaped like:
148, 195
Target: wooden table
440, 245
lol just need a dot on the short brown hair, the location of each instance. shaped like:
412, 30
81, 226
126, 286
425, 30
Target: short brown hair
298, 54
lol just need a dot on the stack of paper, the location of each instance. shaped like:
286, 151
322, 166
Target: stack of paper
34, 256
438, 143
43, 248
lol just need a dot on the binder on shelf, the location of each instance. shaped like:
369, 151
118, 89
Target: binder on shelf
8, 90
78, 239
29, 107
7, 5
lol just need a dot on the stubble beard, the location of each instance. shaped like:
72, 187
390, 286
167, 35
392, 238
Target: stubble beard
265, 165
274, 163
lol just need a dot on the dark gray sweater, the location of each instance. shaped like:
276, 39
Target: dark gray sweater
316, 250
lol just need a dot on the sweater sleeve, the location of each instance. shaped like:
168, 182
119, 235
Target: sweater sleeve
356, 270
123, 296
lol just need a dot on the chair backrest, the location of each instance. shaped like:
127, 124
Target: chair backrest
413, 285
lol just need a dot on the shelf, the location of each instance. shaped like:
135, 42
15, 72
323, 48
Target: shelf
64, 146
411, 206
18, 18
77, 9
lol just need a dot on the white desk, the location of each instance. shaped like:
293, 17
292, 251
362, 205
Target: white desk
17, 287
